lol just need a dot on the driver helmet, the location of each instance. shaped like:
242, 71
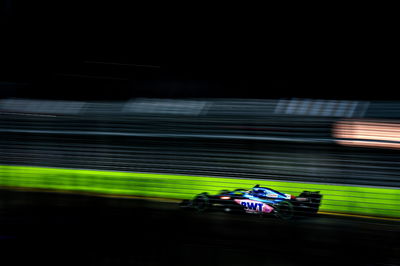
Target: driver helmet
257, 191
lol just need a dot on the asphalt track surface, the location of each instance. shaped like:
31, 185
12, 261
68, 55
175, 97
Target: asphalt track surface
61, 229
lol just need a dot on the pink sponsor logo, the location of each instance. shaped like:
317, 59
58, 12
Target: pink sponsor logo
254, 206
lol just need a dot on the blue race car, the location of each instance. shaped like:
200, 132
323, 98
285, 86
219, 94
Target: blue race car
258, 200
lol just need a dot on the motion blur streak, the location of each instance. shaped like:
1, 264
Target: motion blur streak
173, 148
337, 198
368, 133
82, 182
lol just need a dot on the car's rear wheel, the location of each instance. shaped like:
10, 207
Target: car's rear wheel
284, 210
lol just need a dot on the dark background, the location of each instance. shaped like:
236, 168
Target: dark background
49, 50
85, 50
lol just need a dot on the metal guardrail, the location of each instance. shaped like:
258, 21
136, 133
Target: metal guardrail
254, 108
245, 159
208, 107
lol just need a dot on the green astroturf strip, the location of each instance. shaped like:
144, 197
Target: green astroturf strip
336, 198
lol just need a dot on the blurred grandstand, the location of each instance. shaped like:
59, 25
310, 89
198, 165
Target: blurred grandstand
284, 141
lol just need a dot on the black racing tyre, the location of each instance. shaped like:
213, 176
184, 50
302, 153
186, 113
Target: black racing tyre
201, 202
284, 210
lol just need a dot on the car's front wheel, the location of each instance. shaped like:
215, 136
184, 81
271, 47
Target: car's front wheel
201, 202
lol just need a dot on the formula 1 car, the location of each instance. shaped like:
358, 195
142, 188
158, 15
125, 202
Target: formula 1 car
258, 200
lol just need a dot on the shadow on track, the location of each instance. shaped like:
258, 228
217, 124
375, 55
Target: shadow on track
60, 229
